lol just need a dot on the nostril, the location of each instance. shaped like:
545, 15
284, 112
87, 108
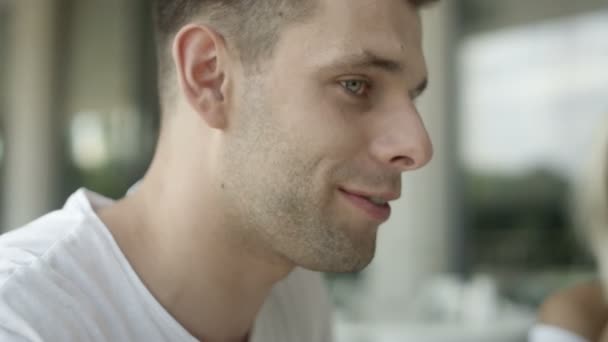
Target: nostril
403, 161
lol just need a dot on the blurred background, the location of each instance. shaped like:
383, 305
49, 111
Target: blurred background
481, 235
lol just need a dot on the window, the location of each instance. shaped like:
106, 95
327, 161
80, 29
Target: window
532, 98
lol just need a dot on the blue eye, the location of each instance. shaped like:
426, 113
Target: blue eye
355, 87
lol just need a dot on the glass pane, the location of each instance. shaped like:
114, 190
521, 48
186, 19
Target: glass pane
110, 131
4, 67
532, 98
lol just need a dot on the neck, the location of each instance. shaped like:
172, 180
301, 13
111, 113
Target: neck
192, 258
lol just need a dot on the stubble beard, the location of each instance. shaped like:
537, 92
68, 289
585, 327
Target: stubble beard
285, 206
289, 216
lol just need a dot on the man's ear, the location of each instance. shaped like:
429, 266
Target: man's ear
200, 60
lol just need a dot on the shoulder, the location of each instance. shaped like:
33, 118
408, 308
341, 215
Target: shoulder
46, 238
23, 248
548, 333
580, 309
34, 284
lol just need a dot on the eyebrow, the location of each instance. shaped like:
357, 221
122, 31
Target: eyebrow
368, 59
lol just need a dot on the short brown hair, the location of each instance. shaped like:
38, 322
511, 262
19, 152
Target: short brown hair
251, 25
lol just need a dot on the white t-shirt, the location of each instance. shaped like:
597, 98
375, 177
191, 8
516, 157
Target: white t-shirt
549, 333
63, 278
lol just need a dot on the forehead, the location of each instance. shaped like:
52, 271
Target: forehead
392, 22
389, 28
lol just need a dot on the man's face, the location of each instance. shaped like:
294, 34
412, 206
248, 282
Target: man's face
322, 134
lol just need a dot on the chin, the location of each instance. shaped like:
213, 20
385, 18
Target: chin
355, 268
362, 264
344, 263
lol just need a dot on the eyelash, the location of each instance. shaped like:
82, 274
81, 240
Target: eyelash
366, 84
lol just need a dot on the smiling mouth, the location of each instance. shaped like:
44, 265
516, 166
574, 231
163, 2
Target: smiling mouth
374, 207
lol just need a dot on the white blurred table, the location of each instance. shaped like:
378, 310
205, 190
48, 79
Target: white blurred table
511, 330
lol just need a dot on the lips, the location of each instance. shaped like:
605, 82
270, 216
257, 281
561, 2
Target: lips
374, 206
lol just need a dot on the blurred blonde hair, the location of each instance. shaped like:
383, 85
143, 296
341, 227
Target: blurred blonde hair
591, 202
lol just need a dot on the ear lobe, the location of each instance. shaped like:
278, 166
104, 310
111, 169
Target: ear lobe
199, 55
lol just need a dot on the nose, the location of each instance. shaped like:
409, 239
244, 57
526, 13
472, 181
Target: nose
402, 141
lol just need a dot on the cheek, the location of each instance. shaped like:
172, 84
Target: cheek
316, 135
322, 123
